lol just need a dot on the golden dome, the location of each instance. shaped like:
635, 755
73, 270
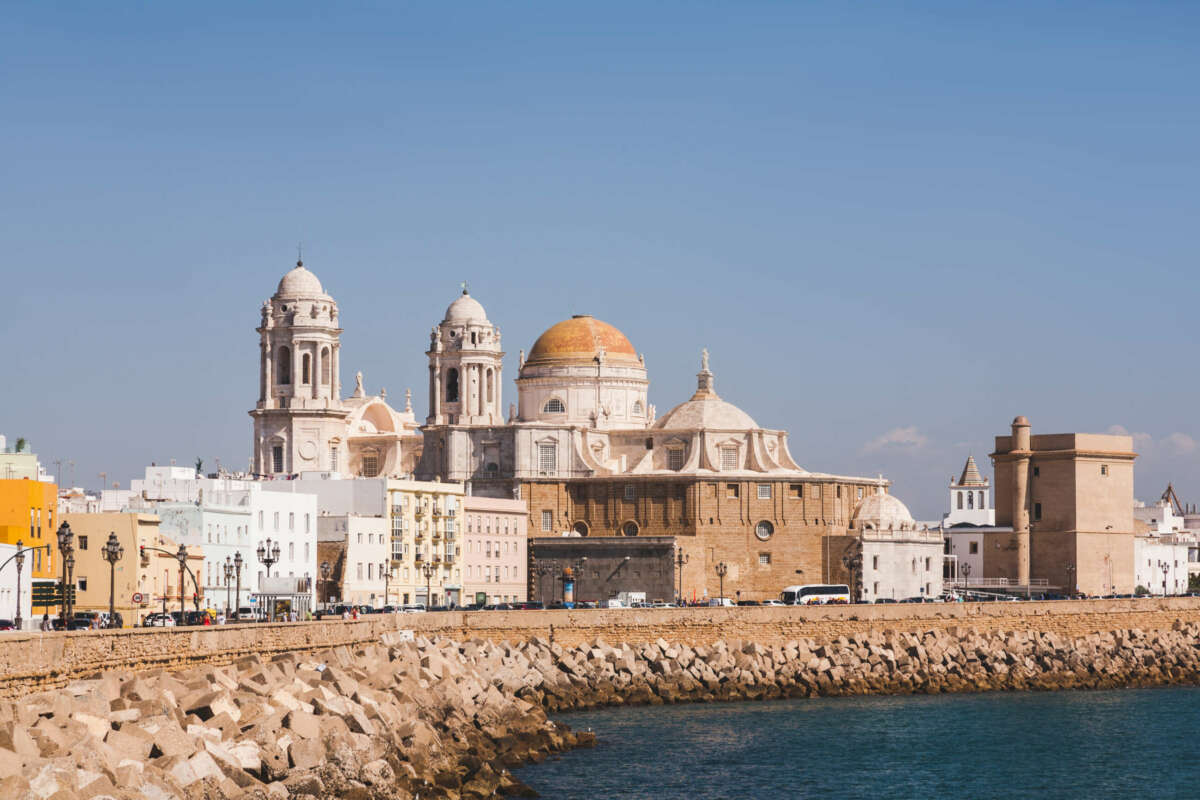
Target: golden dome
578, 340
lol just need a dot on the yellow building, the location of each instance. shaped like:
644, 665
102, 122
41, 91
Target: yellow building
148, 580
29, 513
425, 535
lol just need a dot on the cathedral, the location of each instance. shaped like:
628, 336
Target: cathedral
301, 421
581, 445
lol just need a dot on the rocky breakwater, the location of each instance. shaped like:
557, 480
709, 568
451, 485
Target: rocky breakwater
397, 720
447, 719
885, 662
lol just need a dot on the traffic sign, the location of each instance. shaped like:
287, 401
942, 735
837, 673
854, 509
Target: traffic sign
138, 598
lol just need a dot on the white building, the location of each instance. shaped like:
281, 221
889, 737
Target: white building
365, 555
1160, 563
970, 498
8, 587
899, 558
225, 516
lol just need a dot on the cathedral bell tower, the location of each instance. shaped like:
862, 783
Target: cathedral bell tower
465, 366
298, 418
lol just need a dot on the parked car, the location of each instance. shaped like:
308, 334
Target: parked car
772, 602
722, 602
885, 600
530, 605
413, 608
7, 625
79, 624
661, 604
246, 614
748, 603
158, 621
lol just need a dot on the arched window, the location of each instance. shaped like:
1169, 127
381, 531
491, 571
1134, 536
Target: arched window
473, 340
637, 408
554, 406
489, 386
283, 366
581, 528
981, 503
326, 367
764, 530
970, 499
630, 528
959, 500
306, 368
451, 385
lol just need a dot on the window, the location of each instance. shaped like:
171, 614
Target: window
360, 574
630, 528
83, 542
291, 521
729, 458
816, 491
796, 491
554, 406
875, 588
1037, 471
875, 562
326, 367
630, 493
370, 571
370, 464
764, 530
547, 520
277, 458
764, 559
764, 491
973, 548
306, 368
547, 458
260, 520
1104, 469
970, 500
333, 458
306, 551
276, 520
731, 490
982, 505
307, 524
637, 408
675, 459
451, 385
283, 366
1037, 510
860, 493
82, 584
960, 503
927, 562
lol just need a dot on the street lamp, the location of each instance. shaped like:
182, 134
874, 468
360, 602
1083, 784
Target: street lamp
578, 595
65, 546
112, 551
69, 562
181, 555
237, 594
228, 570
681, 558
19, 557
853, 563
269, 556
1071, 577
325, 570
386, 569
722, 571
427, 569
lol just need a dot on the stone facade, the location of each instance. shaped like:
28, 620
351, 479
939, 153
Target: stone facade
1069, 501
495, 552
598, 569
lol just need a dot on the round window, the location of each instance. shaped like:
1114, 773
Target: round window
630, 528
764, 530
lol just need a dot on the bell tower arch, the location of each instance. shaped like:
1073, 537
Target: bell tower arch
465, 367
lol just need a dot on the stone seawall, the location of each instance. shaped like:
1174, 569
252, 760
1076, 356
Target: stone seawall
407, 718
31, 662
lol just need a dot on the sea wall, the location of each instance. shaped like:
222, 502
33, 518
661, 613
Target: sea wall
34, 661
407, 718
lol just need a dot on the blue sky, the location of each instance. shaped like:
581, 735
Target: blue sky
894, 228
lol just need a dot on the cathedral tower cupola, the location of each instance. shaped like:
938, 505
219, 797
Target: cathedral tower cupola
465, 367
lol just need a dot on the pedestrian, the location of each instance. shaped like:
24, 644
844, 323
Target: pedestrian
46, 627
221, 619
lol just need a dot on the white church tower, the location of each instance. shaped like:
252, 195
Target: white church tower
465, 367
299, 421
970, 498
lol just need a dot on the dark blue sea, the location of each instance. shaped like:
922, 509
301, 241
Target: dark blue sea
1136, 743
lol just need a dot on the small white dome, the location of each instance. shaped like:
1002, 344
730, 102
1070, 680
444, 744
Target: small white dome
465, 309
707, 413
299, 282
882, 511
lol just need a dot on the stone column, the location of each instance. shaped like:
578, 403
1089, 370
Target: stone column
264, 378
316, 370
335, 380
435, 392
1020, 500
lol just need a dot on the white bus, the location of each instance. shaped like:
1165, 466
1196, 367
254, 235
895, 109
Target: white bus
813, 594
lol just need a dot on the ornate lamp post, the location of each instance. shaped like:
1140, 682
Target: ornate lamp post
722, 571
181, 556
19, 557
237, 594
543, 570
69, 562
65, 547
853, 563
227, 568
269, 555
325, 570
386, 569
112, 551
579, 566
1071, 577
681, 558
427, 569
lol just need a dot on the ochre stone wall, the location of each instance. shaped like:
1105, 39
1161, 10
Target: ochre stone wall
30, 662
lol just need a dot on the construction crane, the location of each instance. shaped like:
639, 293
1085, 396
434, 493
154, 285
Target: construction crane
1170, 496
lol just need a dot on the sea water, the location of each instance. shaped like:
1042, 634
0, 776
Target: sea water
1074, 744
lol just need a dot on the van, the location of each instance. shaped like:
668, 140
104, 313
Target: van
721, 602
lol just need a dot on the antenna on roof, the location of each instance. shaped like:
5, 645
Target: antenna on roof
299, 254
